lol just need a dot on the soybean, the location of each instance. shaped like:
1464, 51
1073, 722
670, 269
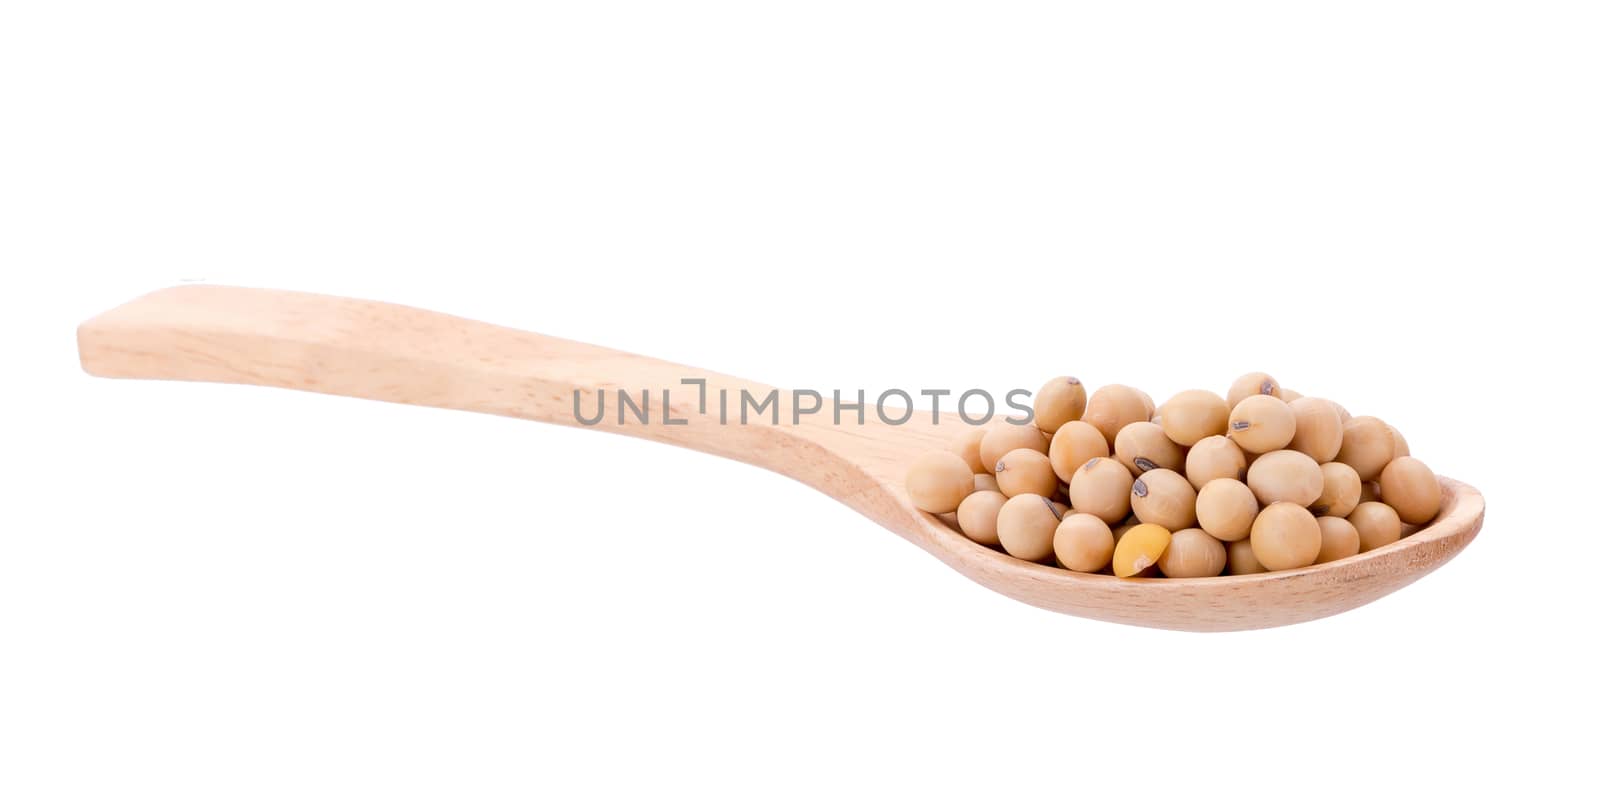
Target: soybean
1143, 446
1112, 407
1026, 526
1084, 543
1140, 548
1024, 470
1075, 443
966, 446
1285, 475
1285, 536
1400, 446
1318, 431
1100, 487
1059, 401
1376, 523
1341, 490
1412, 489
1225, 508
1193, 554
938, 481
1193, 415
1339, 539
1242, 560
1368, 446
1252, 384
1214, 457
1261, 424
978, 517
1164, 498
1004, 437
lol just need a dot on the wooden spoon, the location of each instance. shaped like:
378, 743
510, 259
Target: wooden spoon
400, 354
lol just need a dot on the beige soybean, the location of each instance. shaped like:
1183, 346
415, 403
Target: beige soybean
1285, 536
1253, 384
1193, 554
1112, 407
1289, 395
1140, 548
1024, 470
938, 481
984, 482
1193, 415
1368, 446
1225, 508
1150, 411
1100, 487
1059, 401
1261, 424
1084, 543
1285, 475
1318, 431
1400, 446
1143, 446
1073, 444
978, 516
1411, 489
1003, 437
1214, 457
1341, 490
1369, 491
1339, 539
1242, 560
1376, 523
1026, 526
966, 446
1163, 497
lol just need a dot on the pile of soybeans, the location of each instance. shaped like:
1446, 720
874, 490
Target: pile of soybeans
1261, 480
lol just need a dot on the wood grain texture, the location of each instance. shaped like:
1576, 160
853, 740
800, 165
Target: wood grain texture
398, 354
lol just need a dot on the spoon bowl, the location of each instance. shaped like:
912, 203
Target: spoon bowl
400, 354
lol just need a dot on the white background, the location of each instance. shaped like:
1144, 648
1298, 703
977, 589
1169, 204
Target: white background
218, 594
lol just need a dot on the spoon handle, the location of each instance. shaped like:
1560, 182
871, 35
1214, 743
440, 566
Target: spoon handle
380, 351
